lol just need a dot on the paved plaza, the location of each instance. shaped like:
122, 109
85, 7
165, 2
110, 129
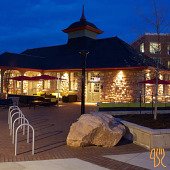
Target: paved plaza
51, 126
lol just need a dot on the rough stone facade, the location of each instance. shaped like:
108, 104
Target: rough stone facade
121, 85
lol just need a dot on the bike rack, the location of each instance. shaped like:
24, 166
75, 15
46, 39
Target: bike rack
15, 110
11, 109
25, 121
16, 136
19, 115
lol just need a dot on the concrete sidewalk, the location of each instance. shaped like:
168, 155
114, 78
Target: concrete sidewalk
142, 160
137, 159
56, 164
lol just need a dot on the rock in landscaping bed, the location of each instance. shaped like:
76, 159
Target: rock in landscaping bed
95, 129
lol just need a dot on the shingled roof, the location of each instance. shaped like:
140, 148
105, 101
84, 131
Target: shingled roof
13, 60
103, 53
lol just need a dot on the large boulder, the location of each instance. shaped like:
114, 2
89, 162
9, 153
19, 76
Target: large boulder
95, 129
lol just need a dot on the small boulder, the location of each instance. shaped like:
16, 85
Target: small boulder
95, 129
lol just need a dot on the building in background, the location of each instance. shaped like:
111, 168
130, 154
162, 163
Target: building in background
155, 46
113, 68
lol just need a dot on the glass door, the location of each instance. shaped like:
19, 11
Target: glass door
94, 88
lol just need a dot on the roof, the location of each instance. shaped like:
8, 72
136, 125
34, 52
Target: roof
13, 60
82, 24
79, 24
151, 36
103, 53
160, 34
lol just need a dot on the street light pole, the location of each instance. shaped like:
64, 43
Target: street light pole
83, 79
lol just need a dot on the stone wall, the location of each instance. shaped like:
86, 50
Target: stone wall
121, 85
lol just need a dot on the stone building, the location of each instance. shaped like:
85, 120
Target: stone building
113, 67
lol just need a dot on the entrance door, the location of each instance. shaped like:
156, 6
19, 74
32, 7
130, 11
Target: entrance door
94, 90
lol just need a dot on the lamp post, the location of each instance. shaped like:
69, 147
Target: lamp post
84, 54
156, 91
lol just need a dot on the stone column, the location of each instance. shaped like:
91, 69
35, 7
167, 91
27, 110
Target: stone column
22, 74
2, 80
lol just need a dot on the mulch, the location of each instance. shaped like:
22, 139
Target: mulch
147, 120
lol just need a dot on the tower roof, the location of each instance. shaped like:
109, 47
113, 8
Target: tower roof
83, 18
82, 24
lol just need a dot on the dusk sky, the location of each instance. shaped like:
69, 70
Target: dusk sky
37, 23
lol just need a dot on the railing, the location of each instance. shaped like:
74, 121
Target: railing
15, 111
15, 100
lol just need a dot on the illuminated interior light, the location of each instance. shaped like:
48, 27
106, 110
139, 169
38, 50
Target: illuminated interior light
120, 75
65, 76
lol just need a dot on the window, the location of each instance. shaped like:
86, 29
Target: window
168, 50
168, 64
142, 50
155, 48
73, 81
157, 60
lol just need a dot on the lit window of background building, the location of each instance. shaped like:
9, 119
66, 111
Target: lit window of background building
155, 48
168, 50
142, 49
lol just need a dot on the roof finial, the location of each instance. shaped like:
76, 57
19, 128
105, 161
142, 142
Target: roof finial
83, 18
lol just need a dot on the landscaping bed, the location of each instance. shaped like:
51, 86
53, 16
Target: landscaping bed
147, 120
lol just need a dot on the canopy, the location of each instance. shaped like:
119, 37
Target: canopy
36, 78
153, 81
43, 77
21, 78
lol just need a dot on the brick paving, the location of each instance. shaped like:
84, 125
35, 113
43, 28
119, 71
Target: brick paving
51, 126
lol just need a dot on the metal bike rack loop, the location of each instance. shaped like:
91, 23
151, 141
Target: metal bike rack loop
25, 121
11, 109
16, 137
19, 115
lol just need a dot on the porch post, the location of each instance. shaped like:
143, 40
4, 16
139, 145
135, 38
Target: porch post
2, 80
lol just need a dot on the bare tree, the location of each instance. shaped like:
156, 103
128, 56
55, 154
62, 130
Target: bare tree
159, 24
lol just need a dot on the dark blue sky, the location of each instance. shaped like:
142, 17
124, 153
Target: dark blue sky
36, 23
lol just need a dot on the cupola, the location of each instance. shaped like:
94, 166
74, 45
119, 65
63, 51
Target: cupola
82, 28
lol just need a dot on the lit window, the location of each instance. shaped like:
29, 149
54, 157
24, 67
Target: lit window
73, 81
142, 48
168, 64
155, 48
168, 49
